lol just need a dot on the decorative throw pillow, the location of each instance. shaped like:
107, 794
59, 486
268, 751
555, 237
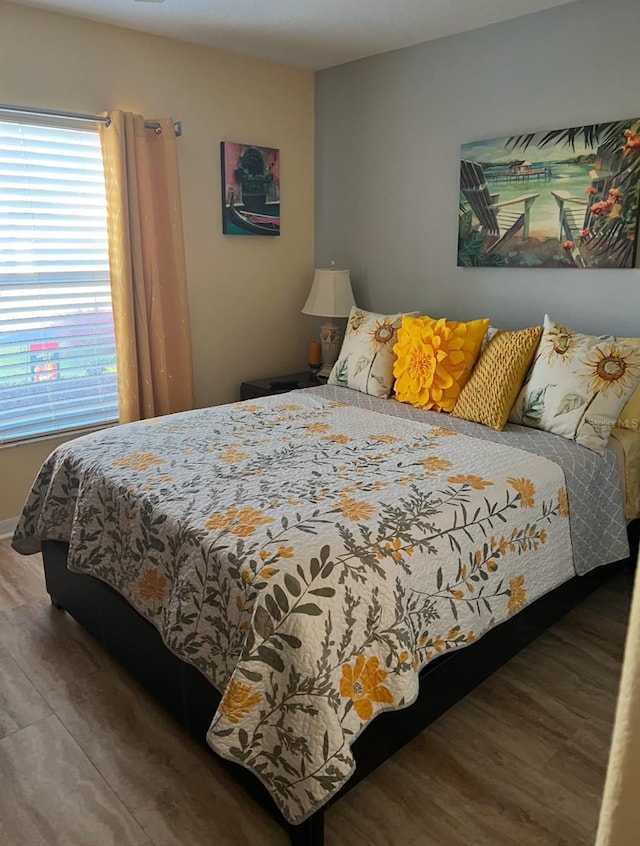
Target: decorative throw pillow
577, 385
497, 377
630, 414
489, 336
366, 359
434, 360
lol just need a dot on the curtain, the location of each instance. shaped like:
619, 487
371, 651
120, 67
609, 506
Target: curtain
147, 264
620, 814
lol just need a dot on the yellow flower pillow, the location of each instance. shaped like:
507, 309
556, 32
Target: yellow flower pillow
434, 359
497, 378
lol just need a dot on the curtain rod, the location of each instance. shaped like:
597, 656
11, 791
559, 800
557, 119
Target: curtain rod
27, 110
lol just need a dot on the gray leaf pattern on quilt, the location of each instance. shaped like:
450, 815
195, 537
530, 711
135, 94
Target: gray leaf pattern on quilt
598, 532
309, 557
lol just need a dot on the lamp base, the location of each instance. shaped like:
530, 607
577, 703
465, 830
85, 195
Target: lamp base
331, 342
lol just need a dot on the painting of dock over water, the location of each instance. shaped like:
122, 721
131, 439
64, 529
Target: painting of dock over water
560, 198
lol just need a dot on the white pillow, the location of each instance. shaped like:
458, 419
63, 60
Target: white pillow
577, 385
366, 359
490, 334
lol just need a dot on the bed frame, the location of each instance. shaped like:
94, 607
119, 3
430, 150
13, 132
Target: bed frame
136, 644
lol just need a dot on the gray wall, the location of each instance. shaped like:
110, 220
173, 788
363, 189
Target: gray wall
388, 136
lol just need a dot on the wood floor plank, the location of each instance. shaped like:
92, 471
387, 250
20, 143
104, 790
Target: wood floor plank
176, 790
21, 577
50, 647
52, 796
20, 702
507, 798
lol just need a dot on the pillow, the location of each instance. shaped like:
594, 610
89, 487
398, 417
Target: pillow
434, 360
365, 362
630, 414
577, 385
497, 377
489, 336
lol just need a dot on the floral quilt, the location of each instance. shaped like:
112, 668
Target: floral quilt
308, 557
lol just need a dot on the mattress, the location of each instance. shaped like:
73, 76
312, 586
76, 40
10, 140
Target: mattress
626, 443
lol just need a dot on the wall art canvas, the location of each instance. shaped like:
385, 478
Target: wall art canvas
560, 198
250, 189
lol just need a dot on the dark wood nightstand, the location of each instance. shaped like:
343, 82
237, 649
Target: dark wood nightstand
278, 385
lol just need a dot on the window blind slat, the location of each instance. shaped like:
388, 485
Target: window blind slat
57, 348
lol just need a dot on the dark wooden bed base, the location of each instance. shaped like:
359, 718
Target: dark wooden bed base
135, 643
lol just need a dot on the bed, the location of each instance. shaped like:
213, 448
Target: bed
308, 580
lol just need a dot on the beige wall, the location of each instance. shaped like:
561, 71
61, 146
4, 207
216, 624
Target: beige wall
620, 813
245, 292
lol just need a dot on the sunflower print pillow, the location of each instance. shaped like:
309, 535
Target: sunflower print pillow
366, 359
577, 385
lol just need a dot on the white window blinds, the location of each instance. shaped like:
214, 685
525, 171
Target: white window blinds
57, 352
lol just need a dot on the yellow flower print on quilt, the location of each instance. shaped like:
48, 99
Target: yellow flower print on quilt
316, 428
152, 586
138, 461
432, 464
563, 503
527, 491
237, 701
337, 439
517, 595
475, 482
232, 455
239, 521
362, 684
352, 509
441, 432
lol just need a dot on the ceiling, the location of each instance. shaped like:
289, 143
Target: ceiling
308, 33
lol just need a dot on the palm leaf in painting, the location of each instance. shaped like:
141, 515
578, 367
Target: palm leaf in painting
591, 135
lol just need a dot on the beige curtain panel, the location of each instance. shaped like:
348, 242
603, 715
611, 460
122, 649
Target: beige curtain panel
148, 273
620, 814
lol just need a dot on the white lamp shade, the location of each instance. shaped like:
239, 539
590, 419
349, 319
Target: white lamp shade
330, 295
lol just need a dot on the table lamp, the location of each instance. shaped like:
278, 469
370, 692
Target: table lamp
330, 296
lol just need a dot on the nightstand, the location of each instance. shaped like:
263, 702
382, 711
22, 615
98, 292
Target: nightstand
278, 385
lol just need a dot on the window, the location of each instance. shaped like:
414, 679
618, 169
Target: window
57, 350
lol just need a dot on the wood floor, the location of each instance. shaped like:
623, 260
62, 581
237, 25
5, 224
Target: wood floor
87, 759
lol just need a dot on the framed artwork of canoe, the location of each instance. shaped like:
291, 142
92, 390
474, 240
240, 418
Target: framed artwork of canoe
559, 198
250, 189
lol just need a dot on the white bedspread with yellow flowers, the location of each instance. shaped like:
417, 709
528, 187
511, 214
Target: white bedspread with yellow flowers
309, 557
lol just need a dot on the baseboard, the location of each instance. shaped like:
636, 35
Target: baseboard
7, 527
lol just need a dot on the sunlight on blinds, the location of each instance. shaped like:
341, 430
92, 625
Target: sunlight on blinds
57, 350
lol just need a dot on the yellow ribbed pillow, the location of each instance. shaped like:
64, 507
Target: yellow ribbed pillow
497, 378
630, 414
434, 359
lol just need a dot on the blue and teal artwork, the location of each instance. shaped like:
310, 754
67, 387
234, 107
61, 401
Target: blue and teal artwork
559, 198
